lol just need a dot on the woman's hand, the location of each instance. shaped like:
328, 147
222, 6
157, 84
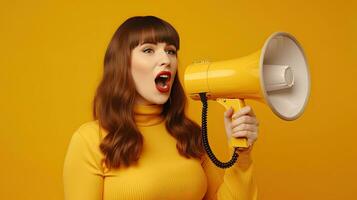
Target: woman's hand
242, 124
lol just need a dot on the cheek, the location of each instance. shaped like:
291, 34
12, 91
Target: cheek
141, 74
175, 71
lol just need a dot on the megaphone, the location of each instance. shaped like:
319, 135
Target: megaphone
276, 75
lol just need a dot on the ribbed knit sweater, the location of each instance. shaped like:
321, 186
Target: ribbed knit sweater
161, 173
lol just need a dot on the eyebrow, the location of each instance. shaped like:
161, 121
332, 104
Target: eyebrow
153, 43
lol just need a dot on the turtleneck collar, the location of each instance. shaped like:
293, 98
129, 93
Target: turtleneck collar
148, 115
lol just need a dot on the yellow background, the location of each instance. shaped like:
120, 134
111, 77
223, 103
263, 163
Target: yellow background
51, 62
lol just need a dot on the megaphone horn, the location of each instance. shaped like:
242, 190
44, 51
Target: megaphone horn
276, 75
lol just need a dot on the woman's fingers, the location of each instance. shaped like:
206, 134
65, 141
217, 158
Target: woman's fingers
246, 110
245, 127
244, 119
242, 124
241, 134
251, 136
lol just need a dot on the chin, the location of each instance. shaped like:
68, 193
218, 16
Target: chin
161, 99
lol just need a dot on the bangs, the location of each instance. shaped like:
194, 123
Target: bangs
154, 31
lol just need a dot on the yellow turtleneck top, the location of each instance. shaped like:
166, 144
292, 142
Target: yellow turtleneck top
161, 173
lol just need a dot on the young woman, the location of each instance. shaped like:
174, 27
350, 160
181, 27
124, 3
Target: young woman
140, 144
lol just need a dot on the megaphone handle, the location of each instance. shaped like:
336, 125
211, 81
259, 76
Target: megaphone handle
236, 104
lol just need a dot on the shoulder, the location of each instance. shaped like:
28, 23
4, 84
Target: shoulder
84, 146
88, 132
89, 126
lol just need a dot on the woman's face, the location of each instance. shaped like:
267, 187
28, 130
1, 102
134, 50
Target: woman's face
153, 67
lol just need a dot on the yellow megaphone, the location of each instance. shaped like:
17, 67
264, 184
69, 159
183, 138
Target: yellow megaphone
276, 75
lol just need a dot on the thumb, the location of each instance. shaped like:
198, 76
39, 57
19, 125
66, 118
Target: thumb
227, 122
228, 113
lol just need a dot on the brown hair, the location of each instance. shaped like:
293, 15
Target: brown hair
114, 99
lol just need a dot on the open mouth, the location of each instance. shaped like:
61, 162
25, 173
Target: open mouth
162, 81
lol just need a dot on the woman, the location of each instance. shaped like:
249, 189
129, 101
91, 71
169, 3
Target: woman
140, 144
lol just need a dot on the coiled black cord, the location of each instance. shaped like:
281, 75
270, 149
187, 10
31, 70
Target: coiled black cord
205, 138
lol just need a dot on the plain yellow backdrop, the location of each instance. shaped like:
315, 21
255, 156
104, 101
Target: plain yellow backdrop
51, 62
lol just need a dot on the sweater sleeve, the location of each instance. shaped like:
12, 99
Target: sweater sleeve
236, 182
82, 175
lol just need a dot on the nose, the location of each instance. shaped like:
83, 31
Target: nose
164, 59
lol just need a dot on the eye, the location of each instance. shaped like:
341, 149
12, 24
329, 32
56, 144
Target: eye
148, 50
172, 52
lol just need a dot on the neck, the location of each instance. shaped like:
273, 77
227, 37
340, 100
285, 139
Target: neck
148, 115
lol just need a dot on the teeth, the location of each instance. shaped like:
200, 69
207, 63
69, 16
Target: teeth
164, 76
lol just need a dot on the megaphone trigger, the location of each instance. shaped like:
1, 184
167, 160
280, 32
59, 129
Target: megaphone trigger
236, 104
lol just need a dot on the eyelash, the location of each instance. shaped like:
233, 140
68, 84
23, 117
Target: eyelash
173, 51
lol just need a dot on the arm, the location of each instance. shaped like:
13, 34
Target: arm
82, 177
236, 182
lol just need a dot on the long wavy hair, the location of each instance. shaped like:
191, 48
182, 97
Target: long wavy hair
115, 96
